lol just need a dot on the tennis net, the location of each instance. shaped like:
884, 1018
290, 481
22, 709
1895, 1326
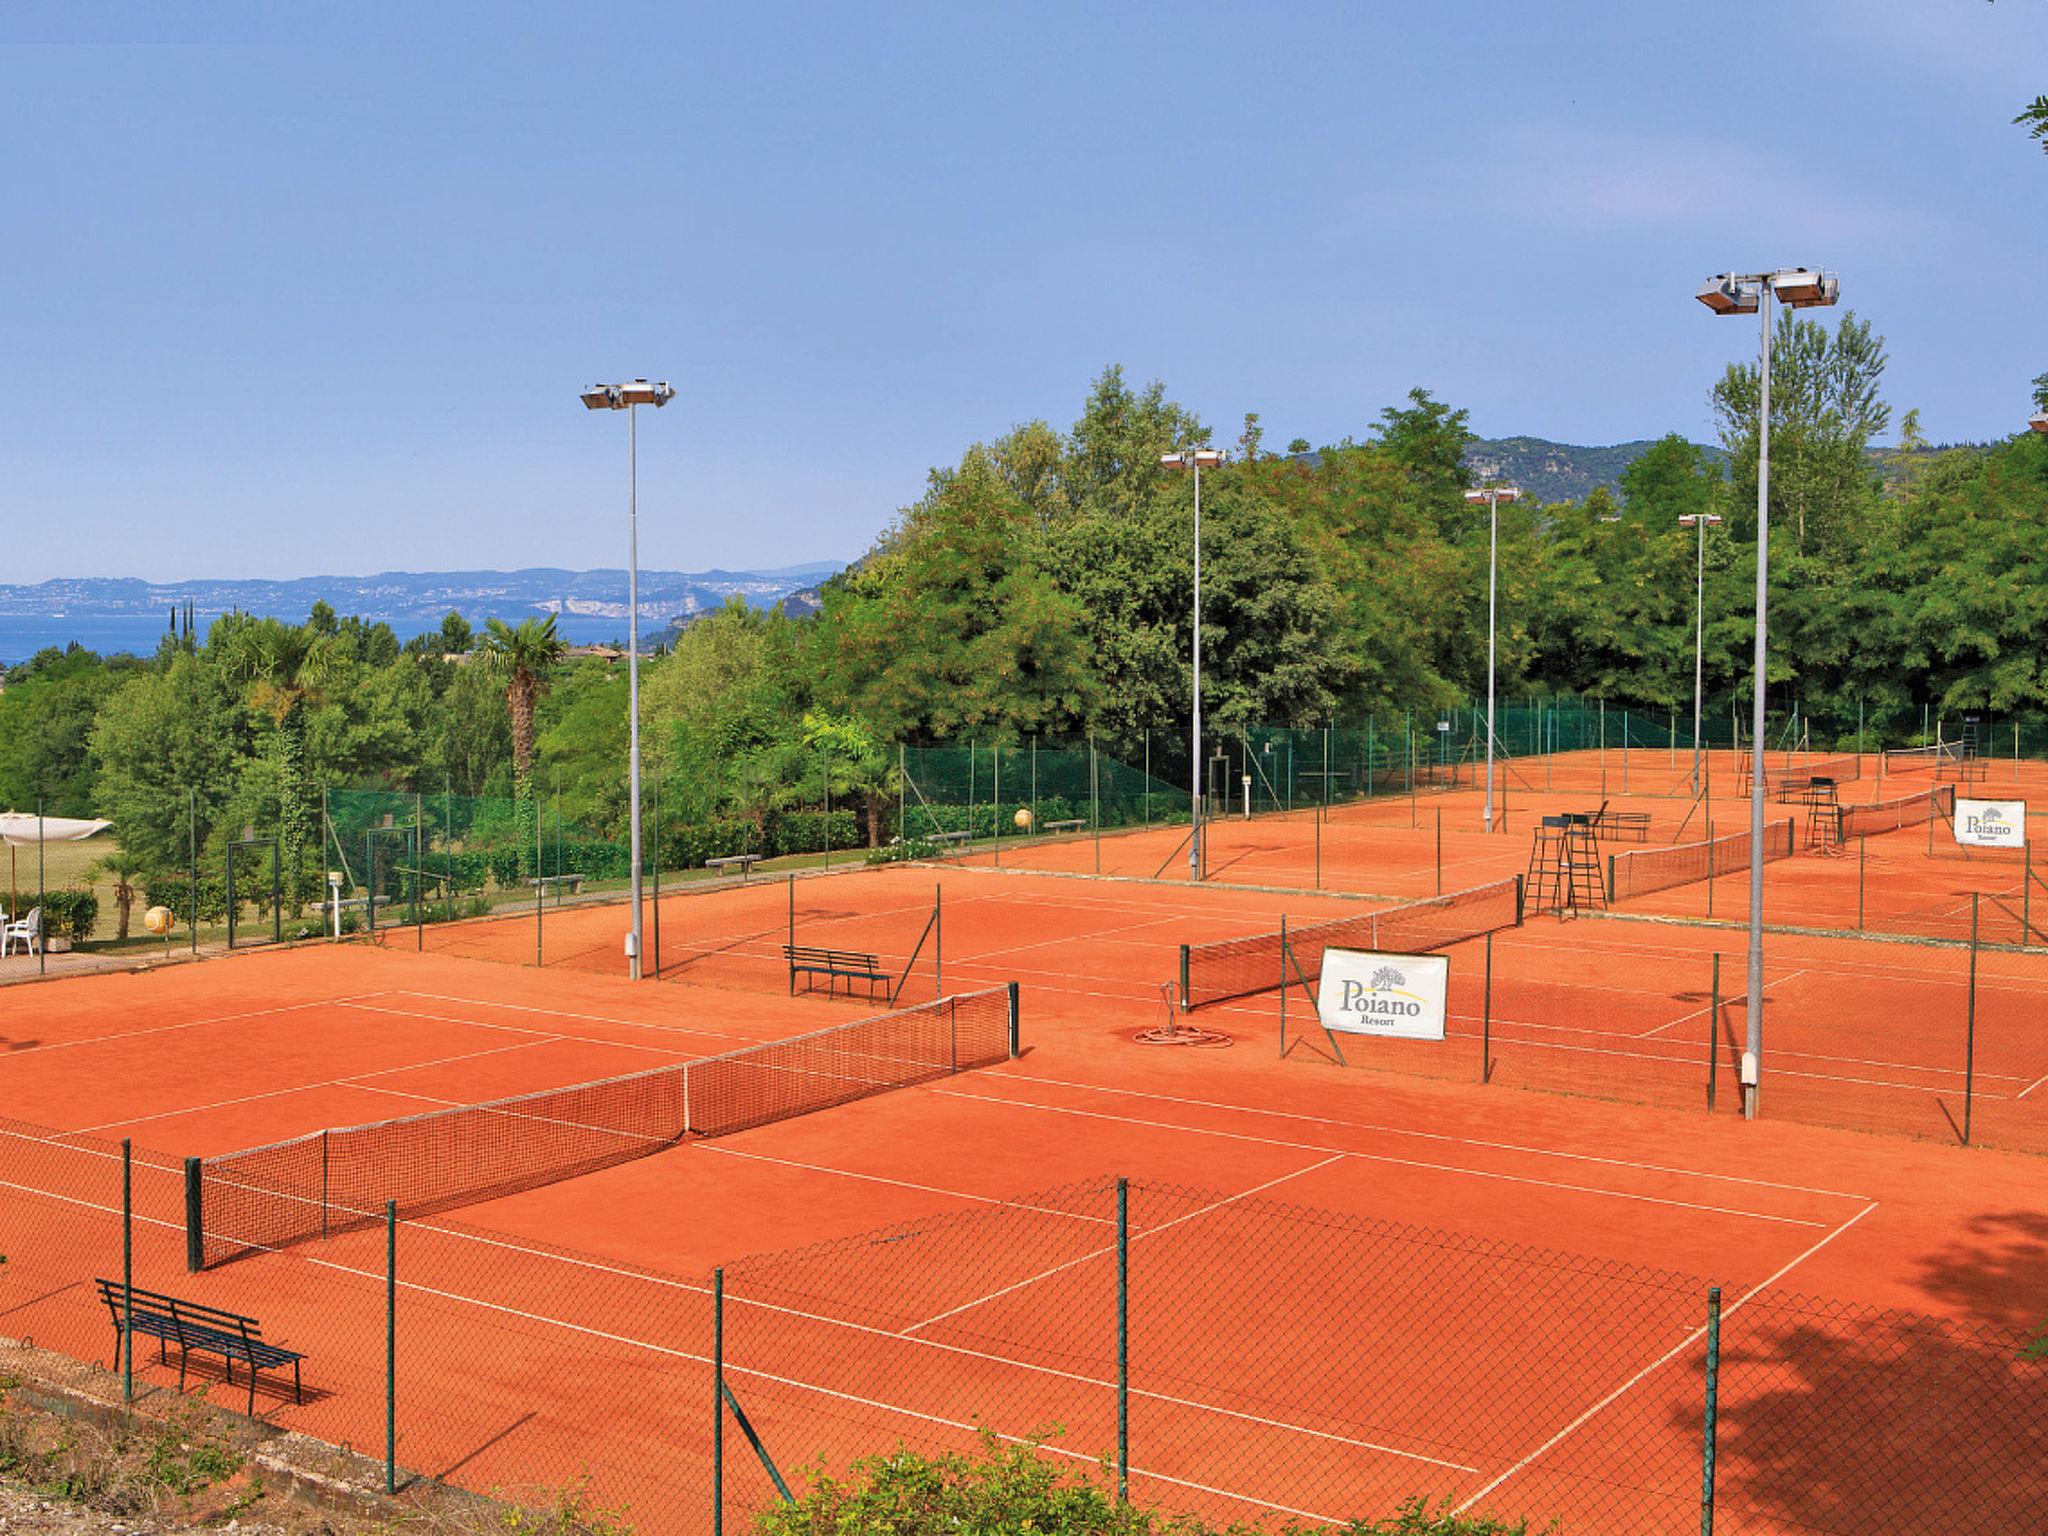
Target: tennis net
1642, 871
1890, 815
1217, 972
338, 1180
1783, 780
1935, 758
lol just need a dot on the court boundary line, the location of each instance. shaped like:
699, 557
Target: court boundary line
1661, 1361
1401, 1162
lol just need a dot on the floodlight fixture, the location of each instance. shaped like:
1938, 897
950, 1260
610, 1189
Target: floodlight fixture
1688, 519
617, 397
1727, 294
2038, 421
1495, 493
1799, 288
1193, 458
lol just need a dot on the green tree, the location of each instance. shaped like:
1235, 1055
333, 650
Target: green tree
282, 670
2041, 391
1112, 461
167, 745
1826, 406
523, 661
2034, 118
46, 720
456, 634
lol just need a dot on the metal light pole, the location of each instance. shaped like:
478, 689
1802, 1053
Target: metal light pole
1493, 496
623, 397
1703, 521
1195, 460
1743, 294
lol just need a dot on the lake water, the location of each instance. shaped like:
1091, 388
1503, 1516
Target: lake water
22, 636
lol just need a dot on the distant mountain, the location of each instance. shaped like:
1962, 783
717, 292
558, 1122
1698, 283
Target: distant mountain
591, 604
1552, 472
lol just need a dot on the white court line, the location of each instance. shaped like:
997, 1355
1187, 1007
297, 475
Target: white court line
2037, 1082
1683, 1344
876, 1178
562, 1013
1685, 1018
1214, 1205
517, 1029
355, 1081
1443, 1136
1090, 937
1399, 1162
219, 1018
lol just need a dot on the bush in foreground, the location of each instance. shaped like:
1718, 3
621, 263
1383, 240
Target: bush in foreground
1011, 1490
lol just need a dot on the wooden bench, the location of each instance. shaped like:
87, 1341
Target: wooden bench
832, 964
1065, 826
189, 1325
544, 883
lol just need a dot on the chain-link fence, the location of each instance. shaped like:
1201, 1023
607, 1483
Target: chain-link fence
1224, 1355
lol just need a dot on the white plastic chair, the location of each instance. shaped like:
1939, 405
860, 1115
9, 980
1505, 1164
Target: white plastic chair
29, 930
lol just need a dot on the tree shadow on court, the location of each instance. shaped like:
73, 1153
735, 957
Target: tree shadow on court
1836, 1417
1997, 1274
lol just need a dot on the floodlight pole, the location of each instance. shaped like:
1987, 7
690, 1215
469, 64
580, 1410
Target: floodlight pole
1493, 496
1733, 293
1195, 460
1702, 521
627, 397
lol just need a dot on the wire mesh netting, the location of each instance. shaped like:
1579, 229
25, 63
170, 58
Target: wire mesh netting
1230, 1355
339, 1180
1243, 967
1639, 871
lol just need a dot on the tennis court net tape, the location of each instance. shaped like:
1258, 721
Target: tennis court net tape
1784, 779
1228, 968
1890, 815
339, 1180
1643, 870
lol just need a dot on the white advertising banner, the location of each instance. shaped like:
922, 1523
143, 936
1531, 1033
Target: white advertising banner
1401, 996
1992, 823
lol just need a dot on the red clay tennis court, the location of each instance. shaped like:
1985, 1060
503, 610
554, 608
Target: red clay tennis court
1346, 1283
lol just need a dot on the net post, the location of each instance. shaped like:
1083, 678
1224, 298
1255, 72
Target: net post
391, 1346
1123, 1340
718, 1401
195, 1231
1970, 1028
1610, 879
1284, 988
1015, 1033
1862, 856
127, 1271
1185, 1001
1710, 1423
1486, 1019
1518, 900
1714, 1031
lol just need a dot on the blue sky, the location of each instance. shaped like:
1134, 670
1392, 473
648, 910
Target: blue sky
286, 293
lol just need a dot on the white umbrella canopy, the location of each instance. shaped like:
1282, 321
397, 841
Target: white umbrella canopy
25, 830
20, 830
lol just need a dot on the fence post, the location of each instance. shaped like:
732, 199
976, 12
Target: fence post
1439, 850
1094, 804
1970, 1027
195, 1230
718, 1401
540, 883
192, 855
1123, 1340
1862, 854
1711, 1425
1486, 1018
391, 1346
939, 938
127, 1272
1015, 1035
43, 930
1714, 1031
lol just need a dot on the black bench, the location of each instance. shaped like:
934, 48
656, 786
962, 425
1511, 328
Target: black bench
189, 1325
832, 964
1622, 826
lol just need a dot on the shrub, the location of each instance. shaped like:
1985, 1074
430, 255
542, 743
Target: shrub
69, 915
1006, 1489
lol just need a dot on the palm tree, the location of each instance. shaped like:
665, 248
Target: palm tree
281, 669
525, 658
